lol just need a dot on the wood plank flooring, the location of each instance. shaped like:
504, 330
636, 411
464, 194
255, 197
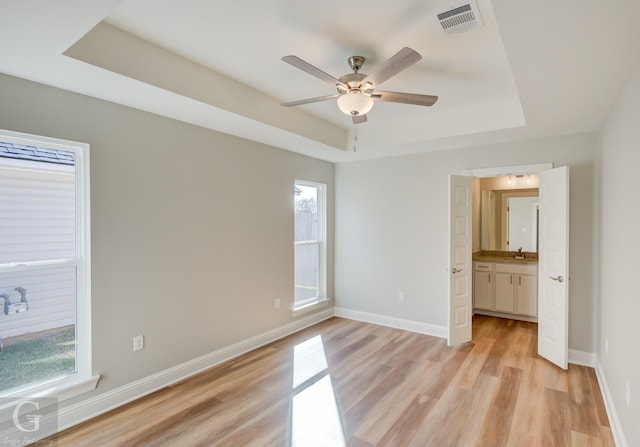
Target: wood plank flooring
343, 382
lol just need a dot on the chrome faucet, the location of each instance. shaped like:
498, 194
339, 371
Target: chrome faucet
519, 254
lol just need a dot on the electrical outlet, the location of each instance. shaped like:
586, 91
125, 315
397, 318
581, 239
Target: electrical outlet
606, 345
627, 393
401, 296
277, 304
138, 343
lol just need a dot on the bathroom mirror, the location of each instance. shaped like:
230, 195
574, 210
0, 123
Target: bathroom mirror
522, 223
509, 219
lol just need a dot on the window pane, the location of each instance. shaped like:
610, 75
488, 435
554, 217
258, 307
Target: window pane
38, 304
37, 325
37, 211
309, 274
306, 213
307, 277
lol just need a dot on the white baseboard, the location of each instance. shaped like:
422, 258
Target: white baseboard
614, 420
396, 323
92, 407
582, 358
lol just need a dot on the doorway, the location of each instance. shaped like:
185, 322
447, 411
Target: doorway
552, 300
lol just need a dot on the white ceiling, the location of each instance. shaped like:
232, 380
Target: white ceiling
532, 69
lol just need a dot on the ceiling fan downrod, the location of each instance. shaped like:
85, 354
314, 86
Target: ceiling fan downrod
356, 62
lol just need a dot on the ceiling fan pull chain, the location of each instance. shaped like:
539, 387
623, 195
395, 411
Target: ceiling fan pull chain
355, 138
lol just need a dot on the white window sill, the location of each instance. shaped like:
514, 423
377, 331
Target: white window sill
61, 390
310, 306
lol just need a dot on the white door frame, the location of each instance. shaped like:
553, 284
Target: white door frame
508, 170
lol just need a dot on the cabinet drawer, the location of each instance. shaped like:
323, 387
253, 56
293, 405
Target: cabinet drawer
483, 266
520, 269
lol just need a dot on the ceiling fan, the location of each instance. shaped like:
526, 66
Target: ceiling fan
356, 91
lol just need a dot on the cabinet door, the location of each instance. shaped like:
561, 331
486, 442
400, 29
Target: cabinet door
505, 292
482, 288
527, 295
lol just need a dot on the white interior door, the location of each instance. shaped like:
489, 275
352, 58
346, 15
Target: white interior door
553, 266
459, 259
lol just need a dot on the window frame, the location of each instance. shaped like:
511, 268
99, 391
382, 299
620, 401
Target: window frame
310, 304
82, 380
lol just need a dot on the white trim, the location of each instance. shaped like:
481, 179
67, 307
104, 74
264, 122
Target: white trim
37, 265
83, 287
310, 306
507, 170
582, 358
393, 322
61, 389
614, 420
40, 140
18, 164
94, 406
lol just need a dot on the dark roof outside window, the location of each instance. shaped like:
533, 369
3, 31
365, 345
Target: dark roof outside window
22, 152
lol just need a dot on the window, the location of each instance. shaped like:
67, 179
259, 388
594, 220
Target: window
310, 245
44, 267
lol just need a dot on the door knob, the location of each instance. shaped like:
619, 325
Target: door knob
558, 278
455, 270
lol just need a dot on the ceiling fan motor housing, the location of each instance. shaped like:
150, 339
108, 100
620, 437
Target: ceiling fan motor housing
353, 80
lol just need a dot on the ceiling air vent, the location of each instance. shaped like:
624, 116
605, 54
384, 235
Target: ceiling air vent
460, 19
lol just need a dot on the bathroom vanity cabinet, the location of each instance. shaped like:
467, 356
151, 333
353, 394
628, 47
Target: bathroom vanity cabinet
506, 288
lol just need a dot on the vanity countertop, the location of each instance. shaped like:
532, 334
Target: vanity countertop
505, 256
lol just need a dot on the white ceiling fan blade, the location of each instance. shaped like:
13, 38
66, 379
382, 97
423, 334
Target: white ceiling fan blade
405, 98
313, 71
392, 66
358, 119
309, 100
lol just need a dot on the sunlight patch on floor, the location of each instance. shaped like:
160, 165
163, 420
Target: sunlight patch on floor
315, 417
316, 420
309, 360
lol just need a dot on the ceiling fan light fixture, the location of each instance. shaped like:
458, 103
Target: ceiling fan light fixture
354, 103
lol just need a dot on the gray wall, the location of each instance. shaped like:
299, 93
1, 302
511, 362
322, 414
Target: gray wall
192, 230
392, 228
619, 304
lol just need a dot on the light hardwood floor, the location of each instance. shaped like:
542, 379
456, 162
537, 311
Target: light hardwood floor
343, 382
